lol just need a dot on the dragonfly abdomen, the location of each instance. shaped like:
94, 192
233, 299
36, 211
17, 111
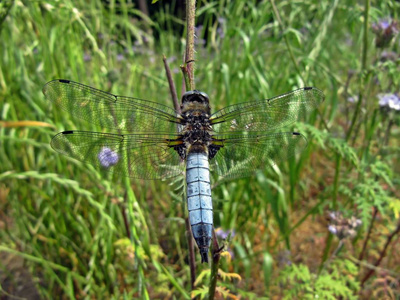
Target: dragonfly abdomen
199, 200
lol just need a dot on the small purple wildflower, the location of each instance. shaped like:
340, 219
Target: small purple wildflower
385, 31
388, 56
332, 229
221, 27
120, 57
389, 101
221, 20
223, 234
284, 258
108, 157
352, 99
221, 32
342, 227
87, 57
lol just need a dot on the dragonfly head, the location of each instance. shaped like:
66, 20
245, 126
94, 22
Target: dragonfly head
195, 95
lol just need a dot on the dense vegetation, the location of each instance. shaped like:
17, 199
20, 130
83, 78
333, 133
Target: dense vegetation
324, 224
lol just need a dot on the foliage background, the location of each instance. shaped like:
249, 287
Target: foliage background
70, 231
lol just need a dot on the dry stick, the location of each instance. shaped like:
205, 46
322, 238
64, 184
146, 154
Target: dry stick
171, 86
216, 255
192, 258
188, 73
382, 254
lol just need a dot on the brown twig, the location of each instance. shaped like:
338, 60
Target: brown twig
216, 255
192, 258
171, 86
382, 254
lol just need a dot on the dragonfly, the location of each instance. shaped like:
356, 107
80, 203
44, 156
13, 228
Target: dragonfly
153, 141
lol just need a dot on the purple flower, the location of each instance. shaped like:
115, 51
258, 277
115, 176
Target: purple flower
342, 227
352, 99
284, 258
389, 101
388, 56
120, 57
385, 31
221, 32
87, 57
223, 234
332, 229
107, 157
221, 27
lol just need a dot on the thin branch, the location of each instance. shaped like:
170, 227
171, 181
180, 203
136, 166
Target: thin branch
171, 86
382, 254
216, 255
192, 258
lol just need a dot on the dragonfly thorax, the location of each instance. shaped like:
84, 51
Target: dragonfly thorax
196, 132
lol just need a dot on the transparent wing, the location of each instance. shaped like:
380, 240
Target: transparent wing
266, 115
240, 154
135, 155
120, 113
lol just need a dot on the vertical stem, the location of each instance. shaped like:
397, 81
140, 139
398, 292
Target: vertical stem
214, 267
189, 56
382, 254
188, 73
192, 258
171, 86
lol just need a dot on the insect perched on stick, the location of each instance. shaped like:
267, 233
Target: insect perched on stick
153, 141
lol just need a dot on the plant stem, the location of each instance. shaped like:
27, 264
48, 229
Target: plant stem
171, 86
189, 56
192, 258
382, 254
214, 267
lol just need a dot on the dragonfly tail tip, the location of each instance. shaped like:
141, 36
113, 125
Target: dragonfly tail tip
204, 255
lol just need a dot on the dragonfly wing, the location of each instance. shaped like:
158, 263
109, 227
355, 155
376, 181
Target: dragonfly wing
145, 156
123, 114
240, 154
266, 115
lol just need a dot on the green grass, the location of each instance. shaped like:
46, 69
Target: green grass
87, 234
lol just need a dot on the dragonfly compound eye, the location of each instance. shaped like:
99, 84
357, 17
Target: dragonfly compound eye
195, 95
